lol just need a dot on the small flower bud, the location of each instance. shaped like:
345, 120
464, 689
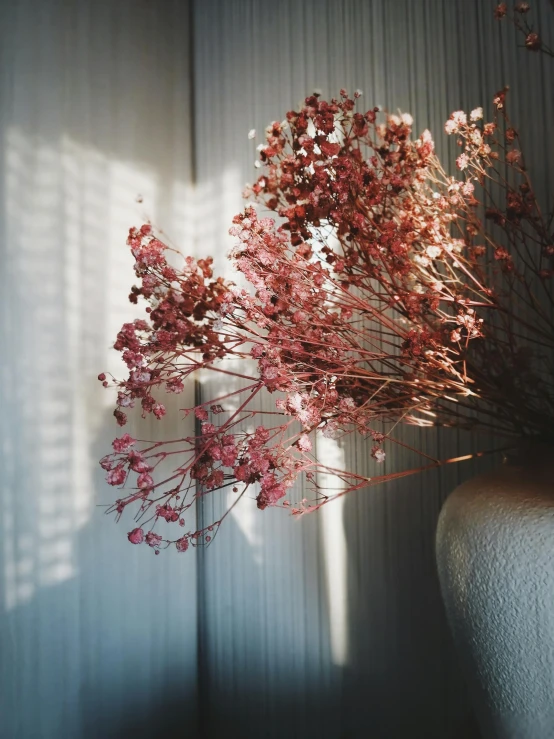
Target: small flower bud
533, 42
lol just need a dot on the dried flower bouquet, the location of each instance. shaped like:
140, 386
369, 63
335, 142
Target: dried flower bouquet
378, 290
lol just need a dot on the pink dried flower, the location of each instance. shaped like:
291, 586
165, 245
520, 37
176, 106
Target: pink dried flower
366, 302
158, 410
533, 41
304, 443
182, 544
116, 476
378, 454
175, 385
462, 161
500, 98
136, 536
145, 480
457, 120
153, 540
123, 444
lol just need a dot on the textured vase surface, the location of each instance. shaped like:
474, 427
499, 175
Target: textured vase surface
495, 556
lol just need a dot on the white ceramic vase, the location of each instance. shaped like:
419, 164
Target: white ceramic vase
495, 556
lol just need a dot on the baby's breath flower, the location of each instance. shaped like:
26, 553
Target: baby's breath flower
462, 161
533, 41
359, 305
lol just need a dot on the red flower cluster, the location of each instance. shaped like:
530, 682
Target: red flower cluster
372, 287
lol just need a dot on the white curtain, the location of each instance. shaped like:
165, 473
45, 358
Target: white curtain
98, 638
332, 626
327, 628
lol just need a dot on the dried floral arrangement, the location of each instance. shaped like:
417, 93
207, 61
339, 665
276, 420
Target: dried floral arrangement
378, 290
